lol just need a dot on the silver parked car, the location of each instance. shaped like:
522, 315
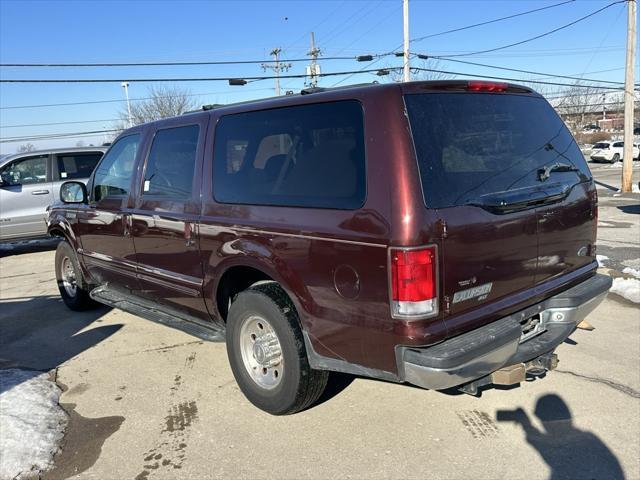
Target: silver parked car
30, 181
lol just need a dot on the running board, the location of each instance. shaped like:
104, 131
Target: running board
150, 311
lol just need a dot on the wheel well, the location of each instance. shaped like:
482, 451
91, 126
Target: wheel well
234, 281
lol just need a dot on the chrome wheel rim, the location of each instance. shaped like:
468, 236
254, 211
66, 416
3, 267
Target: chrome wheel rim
261, 352
68, 277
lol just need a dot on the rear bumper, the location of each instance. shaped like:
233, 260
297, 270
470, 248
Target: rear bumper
480, 352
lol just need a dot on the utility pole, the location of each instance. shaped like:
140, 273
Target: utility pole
277, 67
604, 107
405, 17
125, 85
627, 154
313, 70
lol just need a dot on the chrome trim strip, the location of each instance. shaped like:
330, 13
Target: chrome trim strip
159, 272
173, 286
290, 235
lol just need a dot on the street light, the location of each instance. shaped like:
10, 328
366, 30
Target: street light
125, 85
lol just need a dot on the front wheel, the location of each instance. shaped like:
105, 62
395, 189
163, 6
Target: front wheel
73, 289
267, 353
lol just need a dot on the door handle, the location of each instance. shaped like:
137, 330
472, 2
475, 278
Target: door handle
40, 192
189, 234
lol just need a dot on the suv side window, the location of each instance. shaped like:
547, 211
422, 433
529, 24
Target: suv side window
77, 165
113, 175
302, 156
27, 171
619, 144
171, 162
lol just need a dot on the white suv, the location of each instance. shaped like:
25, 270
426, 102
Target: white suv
610, 152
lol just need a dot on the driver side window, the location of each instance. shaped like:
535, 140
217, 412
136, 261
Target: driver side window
25, 172
113, 175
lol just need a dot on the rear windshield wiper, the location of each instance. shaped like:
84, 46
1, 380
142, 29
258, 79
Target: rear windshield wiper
545, 172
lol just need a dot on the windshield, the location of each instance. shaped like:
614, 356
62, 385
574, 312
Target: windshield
474, 144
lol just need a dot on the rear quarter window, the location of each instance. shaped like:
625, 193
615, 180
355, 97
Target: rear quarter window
302, 156
474, 144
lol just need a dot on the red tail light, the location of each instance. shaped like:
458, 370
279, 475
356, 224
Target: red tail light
476, 86
414, 282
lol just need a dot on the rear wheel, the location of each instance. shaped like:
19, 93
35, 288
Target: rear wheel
616, 158
267, 353
73, 289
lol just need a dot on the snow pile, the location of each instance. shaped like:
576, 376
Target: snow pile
628, 288
601, 259
631, 271
635, 188
31, 422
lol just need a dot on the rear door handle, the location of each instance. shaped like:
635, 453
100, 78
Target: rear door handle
40, 192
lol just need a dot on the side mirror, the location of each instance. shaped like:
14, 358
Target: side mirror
5, 179
73, 192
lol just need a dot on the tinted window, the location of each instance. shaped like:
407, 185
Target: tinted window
469, 145
27, 171
601, 145
618, 144
77, 165
113, 175
172, 162
305, 156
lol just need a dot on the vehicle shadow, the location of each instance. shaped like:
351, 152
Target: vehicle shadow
633, 209
569, 451
40, 333
28, 246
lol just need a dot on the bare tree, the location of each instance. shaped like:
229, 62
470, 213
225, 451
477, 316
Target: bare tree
164, 101
578, 101
27, 147
423, 71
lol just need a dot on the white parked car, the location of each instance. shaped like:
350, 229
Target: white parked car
610, 151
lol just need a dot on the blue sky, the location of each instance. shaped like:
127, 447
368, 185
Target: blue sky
150, 30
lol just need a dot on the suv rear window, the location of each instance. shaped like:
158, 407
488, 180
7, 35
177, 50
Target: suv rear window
302, 156
77, 165
473, 144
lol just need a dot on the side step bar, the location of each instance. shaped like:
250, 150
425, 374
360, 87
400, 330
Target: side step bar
149, 311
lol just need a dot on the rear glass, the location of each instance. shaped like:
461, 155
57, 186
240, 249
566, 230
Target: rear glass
473, 144
302, 156
601, 145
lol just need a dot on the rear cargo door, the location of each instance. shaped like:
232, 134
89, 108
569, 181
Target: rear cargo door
489, 167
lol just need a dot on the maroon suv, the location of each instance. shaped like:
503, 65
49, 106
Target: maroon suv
436, 233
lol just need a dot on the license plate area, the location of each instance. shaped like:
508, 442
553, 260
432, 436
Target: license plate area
531, 327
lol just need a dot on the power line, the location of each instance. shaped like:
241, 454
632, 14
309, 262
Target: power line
53, 136
562, 27
510, 79
158, 64
488, 22
120, 100
60, 123
531, 72
182, 79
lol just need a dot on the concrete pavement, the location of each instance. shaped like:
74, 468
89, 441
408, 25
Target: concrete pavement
148, 402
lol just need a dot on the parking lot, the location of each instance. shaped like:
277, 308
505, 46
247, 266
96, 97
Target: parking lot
148, 402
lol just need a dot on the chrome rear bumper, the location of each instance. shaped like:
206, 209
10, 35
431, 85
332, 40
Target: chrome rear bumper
480, 352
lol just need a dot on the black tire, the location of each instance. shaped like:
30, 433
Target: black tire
616, 158
299, 385
80, 300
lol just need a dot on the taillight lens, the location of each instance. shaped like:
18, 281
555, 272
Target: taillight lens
476, 86
413, 282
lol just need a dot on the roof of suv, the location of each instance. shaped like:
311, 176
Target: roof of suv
328, 94
50, 151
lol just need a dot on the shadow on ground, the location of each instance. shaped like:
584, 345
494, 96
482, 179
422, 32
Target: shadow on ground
569, 451
40, 333
28, 246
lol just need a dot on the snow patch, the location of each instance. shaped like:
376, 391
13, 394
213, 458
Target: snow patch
601, 259
628, 288
635, 188
32, 422
631, 271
